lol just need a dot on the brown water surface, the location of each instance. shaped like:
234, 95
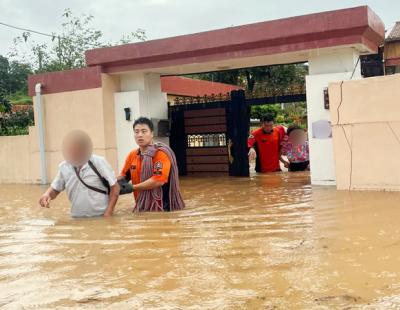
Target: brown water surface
269, 242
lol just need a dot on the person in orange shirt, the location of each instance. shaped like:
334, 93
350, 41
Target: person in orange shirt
153, 170
265, 145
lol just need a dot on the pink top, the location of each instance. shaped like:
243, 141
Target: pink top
296, 154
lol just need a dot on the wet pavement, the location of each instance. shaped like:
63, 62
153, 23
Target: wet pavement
268, 242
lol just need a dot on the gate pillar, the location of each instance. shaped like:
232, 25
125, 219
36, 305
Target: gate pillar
238, 121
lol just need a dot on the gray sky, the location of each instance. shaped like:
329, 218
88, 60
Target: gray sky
164, 18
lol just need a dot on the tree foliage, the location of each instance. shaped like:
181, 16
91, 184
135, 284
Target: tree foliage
286, 114
15, 123
273, 80
5, 105
13, 76
64, 51
67, 48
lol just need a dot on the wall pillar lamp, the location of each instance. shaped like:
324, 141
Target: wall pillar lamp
127, 114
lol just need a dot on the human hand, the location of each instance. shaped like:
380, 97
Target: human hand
44, 201
108, 213
120, 177
252, 154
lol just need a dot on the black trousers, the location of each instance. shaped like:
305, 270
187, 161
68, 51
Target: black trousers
302, 166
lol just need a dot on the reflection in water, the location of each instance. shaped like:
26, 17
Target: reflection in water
269, 242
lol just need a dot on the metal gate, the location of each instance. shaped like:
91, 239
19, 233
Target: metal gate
206, 149
209, 135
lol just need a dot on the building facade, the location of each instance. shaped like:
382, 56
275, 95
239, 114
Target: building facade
129, 76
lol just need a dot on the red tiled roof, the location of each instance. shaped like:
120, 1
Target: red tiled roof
182, 86
394, 35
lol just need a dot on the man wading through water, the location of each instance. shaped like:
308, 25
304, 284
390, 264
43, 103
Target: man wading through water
153, 171
265, 145
88, 179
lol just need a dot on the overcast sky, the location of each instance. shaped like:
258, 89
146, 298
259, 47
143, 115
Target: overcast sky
164, 18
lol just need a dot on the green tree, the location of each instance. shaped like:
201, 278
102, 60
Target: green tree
271, 80
67, 49
13, 76
289, 113
258, 111
19, 76
4, 74
5, 105
227, 77
278, 79
296, 113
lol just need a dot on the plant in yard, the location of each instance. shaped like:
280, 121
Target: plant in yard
16, 123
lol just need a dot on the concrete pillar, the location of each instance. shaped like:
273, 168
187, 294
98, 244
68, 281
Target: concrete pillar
141, 92
325, 66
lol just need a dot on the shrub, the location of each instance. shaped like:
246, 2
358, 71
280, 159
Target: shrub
16, 123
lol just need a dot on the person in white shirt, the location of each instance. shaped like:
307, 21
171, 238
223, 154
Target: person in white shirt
88, 179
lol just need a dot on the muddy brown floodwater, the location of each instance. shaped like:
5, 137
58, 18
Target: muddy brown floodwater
269, 242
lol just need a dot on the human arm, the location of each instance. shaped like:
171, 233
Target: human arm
49, 194
283, 143
251, 141
112, 200
148, 184
57, 186
252, 154
283, 161
108, 173
125, 172
161, 170
283, 152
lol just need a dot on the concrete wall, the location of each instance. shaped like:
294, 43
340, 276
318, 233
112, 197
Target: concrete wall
366, 133
91, 110
111, 85
15, 161
325, 67
124, 132
142, 94
82, 109
98, 111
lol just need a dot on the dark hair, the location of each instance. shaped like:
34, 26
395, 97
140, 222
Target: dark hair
269, 117
293, 128
143, 121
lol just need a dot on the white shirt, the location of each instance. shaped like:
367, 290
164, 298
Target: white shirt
85, 202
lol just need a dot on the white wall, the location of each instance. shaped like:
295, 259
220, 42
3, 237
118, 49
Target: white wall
132, 81
153, 103
157, 103
334, 61
124, 130
142, 93
324, 68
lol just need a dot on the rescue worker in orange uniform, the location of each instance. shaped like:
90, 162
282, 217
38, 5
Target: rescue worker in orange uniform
153, 170
265, 145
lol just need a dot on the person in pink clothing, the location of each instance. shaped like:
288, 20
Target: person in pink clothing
296, 149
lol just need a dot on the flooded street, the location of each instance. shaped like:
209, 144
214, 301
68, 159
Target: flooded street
272, 242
